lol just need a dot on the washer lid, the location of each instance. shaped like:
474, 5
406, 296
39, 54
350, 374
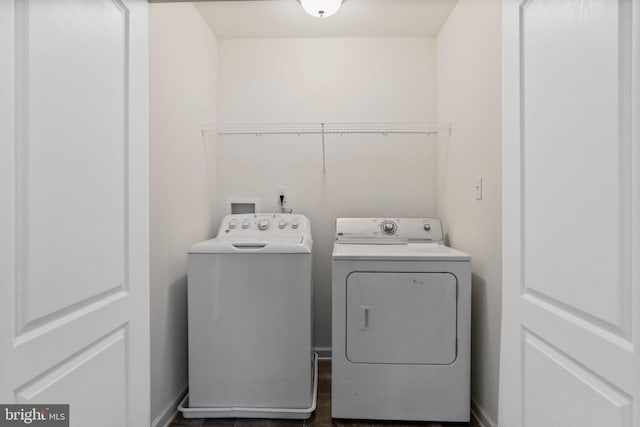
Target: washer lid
239, 245
405, 252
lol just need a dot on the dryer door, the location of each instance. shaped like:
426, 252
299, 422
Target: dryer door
401, 318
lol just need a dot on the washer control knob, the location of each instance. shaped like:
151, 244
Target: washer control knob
245, 224
282, 224
233, 224
388, 227
294, 224
427, 227
263, 224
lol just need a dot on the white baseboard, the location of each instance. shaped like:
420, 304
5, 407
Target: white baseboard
481, 415
323, 352
169, 412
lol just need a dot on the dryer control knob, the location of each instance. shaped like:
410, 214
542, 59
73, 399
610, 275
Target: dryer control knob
294, 224
427, 227
388, 227
233, 224
282, 224
245, 224
263, 224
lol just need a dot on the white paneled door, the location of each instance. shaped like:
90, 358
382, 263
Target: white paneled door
73, 208
571, 214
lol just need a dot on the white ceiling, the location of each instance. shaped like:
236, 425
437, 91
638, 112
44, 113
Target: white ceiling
356, 18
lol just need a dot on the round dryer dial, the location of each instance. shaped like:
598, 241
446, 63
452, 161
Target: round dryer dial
263, 224
388, 227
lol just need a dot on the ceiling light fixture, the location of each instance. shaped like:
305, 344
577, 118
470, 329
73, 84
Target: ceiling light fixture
320, 8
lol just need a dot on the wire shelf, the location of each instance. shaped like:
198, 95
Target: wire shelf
326, 128
258, 129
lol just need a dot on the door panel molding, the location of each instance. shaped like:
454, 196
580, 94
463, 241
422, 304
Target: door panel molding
618, 320
105, 362
612, 404
541, 302
578, 317
67, 315
26, 319
36, 385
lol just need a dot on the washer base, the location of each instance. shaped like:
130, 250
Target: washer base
242, 412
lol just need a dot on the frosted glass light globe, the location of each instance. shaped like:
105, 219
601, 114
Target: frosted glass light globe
321, 8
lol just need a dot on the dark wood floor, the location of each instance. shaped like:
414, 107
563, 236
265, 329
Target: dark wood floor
321, 417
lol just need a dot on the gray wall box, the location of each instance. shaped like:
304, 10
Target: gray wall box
242, 205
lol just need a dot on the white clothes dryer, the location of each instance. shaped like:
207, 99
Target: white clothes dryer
250, 320
401, 322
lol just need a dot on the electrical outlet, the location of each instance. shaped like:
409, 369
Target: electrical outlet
282, 191
477, 188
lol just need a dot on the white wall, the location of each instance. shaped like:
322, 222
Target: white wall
328, 80
183, 67
468, 82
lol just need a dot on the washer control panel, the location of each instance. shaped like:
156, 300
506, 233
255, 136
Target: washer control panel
264, 224
389, 230
389, 227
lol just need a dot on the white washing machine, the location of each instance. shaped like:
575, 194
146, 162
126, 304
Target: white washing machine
250, 320
401, 322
